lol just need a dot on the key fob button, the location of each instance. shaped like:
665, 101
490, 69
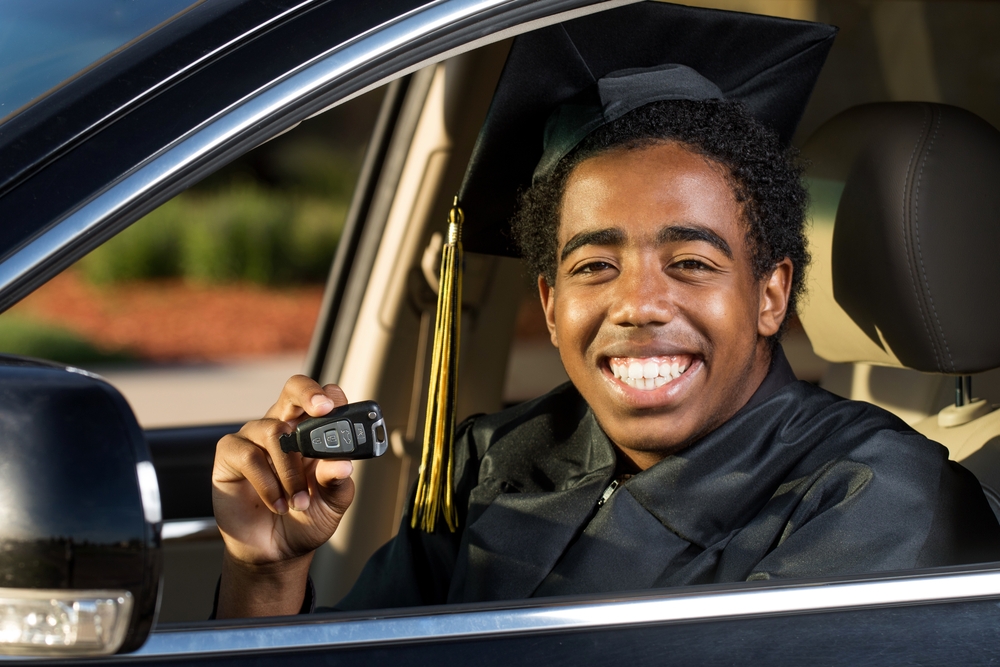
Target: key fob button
346, 433
359, 432
332, 440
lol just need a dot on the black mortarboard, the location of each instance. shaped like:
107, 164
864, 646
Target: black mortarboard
770, 64
561, 83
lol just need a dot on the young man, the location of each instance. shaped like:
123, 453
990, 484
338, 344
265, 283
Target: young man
668, 244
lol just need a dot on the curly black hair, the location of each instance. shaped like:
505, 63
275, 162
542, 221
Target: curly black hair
766, 179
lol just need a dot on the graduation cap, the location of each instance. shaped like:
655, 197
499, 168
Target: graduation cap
561, 83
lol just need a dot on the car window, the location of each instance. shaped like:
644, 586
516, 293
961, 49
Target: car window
45, 42
200, 311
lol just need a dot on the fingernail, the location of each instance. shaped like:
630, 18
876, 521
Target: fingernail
281, 506
300, 501
320, 401
346, 468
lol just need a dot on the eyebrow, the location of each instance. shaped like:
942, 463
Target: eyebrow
672, 234
611, 236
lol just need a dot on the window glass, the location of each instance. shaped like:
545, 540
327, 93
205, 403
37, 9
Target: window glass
45, 42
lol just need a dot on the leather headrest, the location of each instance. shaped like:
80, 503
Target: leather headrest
905, 208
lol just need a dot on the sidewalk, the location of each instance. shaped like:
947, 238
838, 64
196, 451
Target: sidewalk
188, 395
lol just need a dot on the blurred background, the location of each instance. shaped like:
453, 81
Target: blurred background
218, 289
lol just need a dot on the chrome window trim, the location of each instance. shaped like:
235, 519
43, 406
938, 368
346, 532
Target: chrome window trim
190, 530
300, 633
428, 26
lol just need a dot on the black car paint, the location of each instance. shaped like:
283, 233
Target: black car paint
69, 446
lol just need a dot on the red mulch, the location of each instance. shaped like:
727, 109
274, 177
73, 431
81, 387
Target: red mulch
172, 320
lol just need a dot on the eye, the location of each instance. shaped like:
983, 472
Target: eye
691, 265
593, 267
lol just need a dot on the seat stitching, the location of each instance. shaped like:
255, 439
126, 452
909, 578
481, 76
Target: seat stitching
907, 240
920, 254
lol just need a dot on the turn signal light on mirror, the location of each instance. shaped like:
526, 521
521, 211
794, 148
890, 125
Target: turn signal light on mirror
63, 622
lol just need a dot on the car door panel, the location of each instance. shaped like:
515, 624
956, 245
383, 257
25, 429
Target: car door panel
921, 618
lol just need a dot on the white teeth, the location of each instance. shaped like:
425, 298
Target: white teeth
647, 375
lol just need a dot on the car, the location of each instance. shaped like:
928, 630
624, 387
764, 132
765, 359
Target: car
114, 132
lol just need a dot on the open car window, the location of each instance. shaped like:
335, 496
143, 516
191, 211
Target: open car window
863, 67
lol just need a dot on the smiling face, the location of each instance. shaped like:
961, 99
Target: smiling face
658, 317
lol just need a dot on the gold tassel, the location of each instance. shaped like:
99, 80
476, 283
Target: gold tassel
436, 467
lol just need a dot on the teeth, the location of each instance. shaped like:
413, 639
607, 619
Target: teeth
649, 373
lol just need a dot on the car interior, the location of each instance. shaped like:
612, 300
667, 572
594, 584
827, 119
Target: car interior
373, 335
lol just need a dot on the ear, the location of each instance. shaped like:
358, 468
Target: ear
547, 294
774, 298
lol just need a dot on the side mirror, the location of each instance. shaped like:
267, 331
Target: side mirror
80, 515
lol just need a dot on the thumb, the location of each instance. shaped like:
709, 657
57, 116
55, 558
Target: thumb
334, 486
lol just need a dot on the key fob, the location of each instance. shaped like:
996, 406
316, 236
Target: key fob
352, 431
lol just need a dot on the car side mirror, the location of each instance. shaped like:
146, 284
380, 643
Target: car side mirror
80, 515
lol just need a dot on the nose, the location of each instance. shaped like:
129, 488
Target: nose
641, 297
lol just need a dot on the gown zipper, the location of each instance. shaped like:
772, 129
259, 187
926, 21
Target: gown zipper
607, 493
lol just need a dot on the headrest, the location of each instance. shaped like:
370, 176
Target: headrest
905, 237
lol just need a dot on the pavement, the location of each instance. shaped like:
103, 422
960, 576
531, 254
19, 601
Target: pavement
193, 394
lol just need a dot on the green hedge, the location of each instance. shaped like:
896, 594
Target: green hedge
26, 336
243, 232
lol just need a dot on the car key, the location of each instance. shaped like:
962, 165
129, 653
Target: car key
352, 431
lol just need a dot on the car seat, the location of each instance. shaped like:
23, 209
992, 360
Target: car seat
903, 290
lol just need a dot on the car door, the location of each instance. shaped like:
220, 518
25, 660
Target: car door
370, 306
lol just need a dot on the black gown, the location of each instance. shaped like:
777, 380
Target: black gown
799, 483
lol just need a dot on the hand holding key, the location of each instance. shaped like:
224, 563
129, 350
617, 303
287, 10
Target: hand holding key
274, 508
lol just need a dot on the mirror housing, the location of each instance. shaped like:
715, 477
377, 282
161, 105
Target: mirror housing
80, 516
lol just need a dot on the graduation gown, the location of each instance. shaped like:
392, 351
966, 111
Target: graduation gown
799, 483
